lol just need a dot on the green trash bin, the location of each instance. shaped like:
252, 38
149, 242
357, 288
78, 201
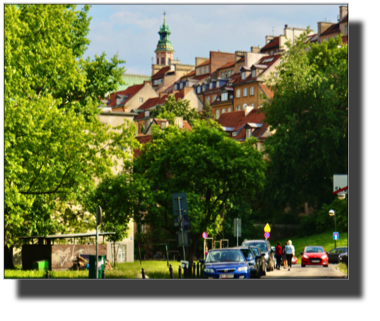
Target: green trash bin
40, 265
92, 267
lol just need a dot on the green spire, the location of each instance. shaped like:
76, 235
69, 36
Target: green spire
164, 44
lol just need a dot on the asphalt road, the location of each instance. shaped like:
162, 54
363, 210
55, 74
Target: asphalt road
308, 272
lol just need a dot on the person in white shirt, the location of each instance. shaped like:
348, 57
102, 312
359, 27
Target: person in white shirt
290, 251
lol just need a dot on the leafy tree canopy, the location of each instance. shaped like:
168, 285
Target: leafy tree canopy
54, 145
178, 108
211, 168
309, 114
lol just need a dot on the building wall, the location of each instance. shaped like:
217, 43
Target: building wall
195, 102
224, 105
218, 59
145, 93
249, 99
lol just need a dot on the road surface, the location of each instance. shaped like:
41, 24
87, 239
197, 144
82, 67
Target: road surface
309, 272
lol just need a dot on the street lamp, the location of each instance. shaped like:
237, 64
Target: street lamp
332, 213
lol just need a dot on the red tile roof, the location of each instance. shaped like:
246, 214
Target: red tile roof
189, 74
332, 29
130, 91
237, 120
269, 93
275, 42
151, 102
186, 125
179, 95
201, 77
230, 64
241, 59
204, 63
143, 139
312, 38
161, 73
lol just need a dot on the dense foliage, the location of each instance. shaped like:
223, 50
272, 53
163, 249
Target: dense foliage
54, 145
309, 114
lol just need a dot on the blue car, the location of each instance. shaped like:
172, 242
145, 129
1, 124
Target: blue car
230, 263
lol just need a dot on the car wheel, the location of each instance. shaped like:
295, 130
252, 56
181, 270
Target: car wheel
326, 265
303, 265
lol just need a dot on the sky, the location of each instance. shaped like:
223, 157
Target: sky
132, 30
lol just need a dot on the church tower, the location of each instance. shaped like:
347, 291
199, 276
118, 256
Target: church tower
164, 51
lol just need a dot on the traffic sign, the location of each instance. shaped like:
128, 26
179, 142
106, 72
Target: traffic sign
266, 235
267, 228
204, 235
183, 202
237, 227
335, 236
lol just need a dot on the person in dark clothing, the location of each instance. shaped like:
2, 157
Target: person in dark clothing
278, 255
284, 259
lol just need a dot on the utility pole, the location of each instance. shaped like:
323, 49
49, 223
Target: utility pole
180, 222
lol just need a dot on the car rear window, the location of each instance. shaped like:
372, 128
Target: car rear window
261, 245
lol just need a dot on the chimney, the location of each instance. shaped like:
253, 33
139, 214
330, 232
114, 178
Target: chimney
255, 49
186, 90
268, 39
147, 82
248, 109
323, 26
164, 124
343, 11
286, 26
162, 94
179, 122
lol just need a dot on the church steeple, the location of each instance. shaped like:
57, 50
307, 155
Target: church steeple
164, 51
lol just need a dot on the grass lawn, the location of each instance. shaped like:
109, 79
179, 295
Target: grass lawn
322, 239
153, 269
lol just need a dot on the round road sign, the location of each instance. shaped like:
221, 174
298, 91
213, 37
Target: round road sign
204, 235
266, 235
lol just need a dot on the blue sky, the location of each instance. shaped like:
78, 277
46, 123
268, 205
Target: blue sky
132, 30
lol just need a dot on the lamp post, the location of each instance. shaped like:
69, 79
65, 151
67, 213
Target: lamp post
332, 213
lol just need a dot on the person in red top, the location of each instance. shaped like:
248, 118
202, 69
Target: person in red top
278, 255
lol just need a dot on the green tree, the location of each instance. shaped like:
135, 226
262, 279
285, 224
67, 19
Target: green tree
54, 145
207, 112
309, 113
211, 168
178, 108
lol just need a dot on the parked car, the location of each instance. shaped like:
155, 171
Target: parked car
314, 255
334, 254
343, 258
256, 263
264, 246
228, 264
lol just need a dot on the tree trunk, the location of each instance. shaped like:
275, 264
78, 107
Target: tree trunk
8, 258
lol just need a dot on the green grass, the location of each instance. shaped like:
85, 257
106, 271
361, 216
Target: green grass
343, 268
322, 239
153, 269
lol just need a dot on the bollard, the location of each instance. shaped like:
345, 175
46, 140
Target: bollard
103, 275
47, 274
179, 272
185, 272
171, 272
197, 270
143, 273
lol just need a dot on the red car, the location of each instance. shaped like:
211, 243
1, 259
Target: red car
314, 255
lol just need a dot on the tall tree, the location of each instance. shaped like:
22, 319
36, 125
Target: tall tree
309, 113
211, 168
178, 108
54, 145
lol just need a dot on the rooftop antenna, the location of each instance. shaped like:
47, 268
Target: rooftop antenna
164, 15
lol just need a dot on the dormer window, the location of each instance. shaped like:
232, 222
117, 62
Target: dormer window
224, 96
210, 85
147, 113
253, 73
217, 84
243, 75
118, 100
248, 133
229, 73
199, 89
181, 85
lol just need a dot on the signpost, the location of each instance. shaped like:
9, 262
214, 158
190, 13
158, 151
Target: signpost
237, 229
98, 221
181, 219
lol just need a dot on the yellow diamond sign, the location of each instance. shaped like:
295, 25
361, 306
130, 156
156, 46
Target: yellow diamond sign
267, 228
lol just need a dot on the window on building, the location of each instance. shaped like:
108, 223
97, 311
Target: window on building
245, 105
254, 73
162, 61
147, 113
224, 96
223, 110
181, 85
232, 72
201, 70
199, 89
210, 85
228, 109
271, 52
237, 93
253, 105
169, 61
141, 99
248, 133
237, 108
252, 90
208, 98
229, 73
158, 61
217, 114
213, 98
243, 74
245, 92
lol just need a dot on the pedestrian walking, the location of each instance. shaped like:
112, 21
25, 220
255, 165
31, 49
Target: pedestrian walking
290, 251
278, 255
284, 260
